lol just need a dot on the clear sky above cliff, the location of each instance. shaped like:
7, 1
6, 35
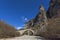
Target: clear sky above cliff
17, 12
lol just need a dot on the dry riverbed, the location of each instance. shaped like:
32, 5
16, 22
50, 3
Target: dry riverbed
25, 37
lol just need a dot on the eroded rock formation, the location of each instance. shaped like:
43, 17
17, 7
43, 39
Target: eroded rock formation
53, 18
38, 21
54, 9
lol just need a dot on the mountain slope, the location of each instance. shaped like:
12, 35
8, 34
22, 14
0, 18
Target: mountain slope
7, 30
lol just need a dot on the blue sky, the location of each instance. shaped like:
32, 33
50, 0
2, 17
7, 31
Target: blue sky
17, 12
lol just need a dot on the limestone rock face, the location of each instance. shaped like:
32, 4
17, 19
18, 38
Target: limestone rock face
53, 18
39, 20
42, 16
53, 15
54, 9
29, 24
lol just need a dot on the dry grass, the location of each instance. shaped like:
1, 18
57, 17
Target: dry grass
52, 29
7, 31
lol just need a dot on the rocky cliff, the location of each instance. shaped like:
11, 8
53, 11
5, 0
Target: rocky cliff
54, 9
38, 21
52, 21
53, 17
52, 12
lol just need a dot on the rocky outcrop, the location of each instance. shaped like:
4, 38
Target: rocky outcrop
53, 16
38, 21
54, 9
51, 23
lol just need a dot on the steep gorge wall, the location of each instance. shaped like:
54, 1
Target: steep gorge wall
52, 12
